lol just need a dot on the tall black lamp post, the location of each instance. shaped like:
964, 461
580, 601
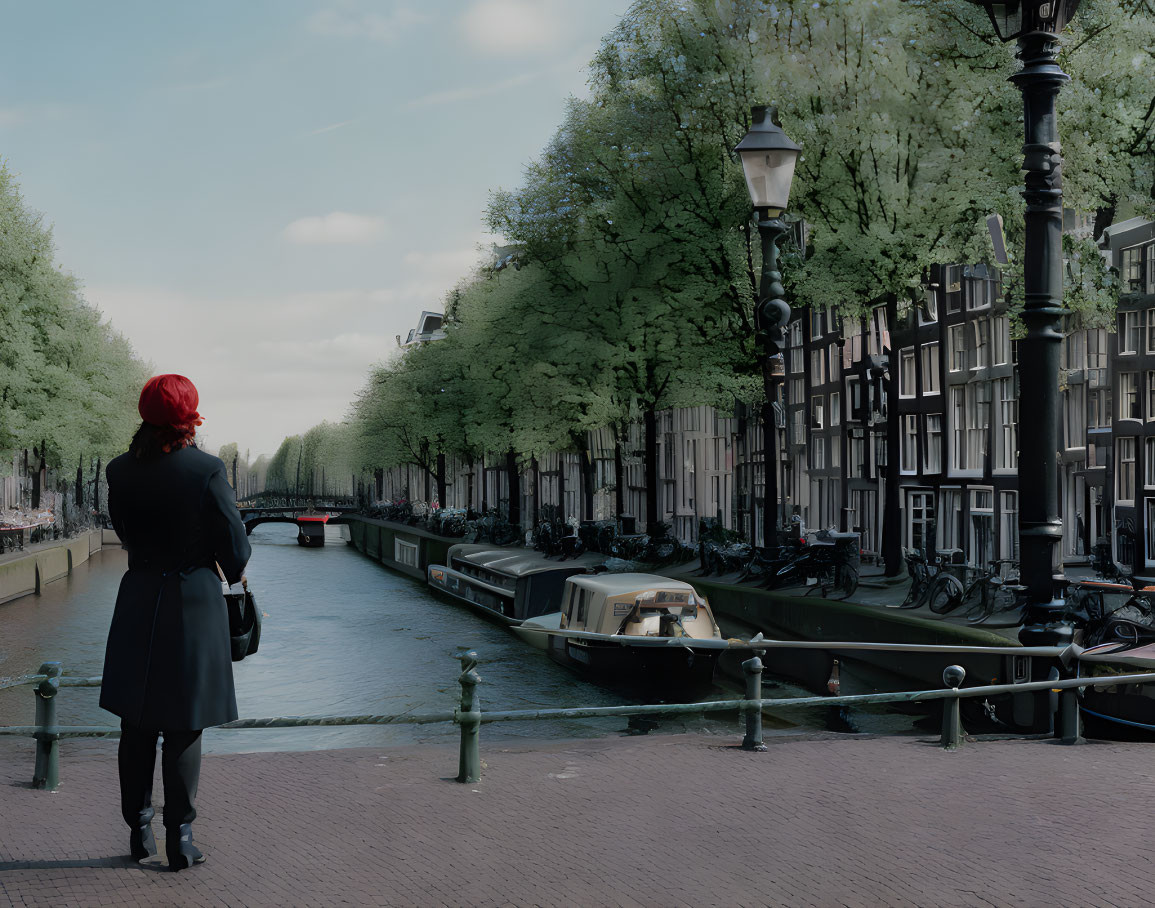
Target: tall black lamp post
1036, 25
768, 159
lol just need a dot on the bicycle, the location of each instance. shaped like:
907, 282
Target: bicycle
921, 578
987, 595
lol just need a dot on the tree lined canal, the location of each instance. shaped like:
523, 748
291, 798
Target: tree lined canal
342, 636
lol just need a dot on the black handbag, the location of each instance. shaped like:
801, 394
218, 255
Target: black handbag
244, 623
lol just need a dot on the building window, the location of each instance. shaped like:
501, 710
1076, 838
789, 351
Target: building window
1132, 272
818, 453
1151, 395
1009, 417
1097, 348
797, 391
948, 527
906, 383
817, 364
1001, 341
1130, 331
405, 552
1151, 267
934, 443
930, 383
970, 412
1099, 411
835, 408
929, 311
1074, 399
1009, 525
1073, 354
857, 466
1125, 459
816, 412
834, 361
1149, 463
958, 348
979, 293
920, 519
816, 323
982, 522
909, 461
879, 333
1129, 395
835, 451
1150, 529
1151, 330
982, 344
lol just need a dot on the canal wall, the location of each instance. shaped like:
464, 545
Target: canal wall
399, 546
25, 572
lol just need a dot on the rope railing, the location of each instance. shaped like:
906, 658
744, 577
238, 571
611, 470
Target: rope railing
469, 716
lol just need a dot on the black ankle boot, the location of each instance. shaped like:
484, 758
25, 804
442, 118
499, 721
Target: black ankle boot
142, 843
181, 851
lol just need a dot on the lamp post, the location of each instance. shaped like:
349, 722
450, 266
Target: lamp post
768, 159
1036, 25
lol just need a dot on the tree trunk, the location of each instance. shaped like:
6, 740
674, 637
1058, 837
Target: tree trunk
561, 486
891, 514
589, 474
514, 487
536, 491
96, 487
619, 476
80, 483
441, 478
651, 455
484, 488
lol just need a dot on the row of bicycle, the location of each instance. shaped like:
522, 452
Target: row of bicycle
993, 595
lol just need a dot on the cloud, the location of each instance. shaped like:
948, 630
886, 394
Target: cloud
338, 228
10, 116
331, 127
451, 263
266, 366
349, 23
502, 27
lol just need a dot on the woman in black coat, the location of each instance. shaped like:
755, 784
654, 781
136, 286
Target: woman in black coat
168, 669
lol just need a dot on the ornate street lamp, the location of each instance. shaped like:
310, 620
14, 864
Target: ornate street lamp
1036, 25
768, 159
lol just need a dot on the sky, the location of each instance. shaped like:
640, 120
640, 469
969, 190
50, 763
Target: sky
262, 195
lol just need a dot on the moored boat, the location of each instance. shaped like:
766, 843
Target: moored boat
636, 629
508, 585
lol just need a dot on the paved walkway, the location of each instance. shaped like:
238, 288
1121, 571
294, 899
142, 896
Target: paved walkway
627, 821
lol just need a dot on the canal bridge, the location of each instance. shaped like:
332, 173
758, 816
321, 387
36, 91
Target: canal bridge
254, 516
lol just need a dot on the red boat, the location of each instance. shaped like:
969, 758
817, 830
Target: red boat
311, 529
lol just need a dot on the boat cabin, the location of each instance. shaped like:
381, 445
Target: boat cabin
512, 584
643, 605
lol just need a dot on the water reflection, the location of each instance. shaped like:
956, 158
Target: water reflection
341, 635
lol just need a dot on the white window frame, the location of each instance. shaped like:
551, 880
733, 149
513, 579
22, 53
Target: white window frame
1124, 444
930, 370
956, 339
1130, 332
907, 376
908, 447
982, 348
835, 408
932, 459
1128, 392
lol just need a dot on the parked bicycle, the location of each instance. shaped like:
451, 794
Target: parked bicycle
922, 573
988, 593
828, 563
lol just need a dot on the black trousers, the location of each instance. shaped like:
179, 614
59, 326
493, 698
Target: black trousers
180, 771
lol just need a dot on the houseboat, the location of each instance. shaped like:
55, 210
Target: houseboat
311, 529
636, 629
508, 585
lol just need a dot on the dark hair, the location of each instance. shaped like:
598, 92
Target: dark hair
150, 441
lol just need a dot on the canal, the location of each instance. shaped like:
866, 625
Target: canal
341, 635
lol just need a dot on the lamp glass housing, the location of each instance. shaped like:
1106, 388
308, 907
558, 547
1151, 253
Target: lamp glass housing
768, 158
769, 174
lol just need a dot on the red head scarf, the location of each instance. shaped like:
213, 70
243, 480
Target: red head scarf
169, 402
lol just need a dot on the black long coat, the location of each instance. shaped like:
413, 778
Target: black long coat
167, 664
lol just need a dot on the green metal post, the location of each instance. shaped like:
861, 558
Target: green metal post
469, 718
752, 668
952, 733
46, 773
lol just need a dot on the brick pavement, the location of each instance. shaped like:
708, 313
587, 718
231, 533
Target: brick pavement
688, 820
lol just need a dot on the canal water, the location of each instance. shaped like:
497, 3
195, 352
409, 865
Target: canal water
342, 635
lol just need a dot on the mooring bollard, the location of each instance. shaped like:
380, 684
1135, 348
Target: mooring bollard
1070, 720
469, 718
46, 773
753, 671
952, 733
